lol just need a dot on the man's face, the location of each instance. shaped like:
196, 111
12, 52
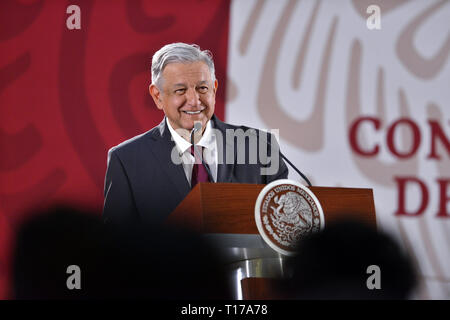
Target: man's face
187, 94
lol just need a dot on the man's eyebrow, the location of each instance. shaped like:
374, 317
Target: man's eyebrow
202, 82
179, 85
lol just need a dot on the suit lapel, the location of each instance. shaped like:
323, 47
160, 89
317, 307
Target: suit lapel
224, 170
161, 145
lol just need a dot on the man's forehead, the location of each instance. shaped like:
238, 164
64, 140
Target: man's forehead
196, 69
182, 84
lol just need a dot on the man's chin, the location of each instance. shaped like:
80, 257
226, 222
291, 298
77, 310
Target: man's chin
190, 125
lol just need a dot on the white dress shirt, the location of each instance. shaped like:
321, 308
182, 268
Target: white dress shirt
209, 144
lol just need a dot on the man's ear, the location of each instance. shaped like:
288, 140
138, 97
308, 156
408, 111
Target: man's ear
216, 84
156, 95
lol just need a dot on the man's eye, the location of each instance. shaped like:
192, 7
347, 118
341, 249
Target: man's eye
203, 89
180, 91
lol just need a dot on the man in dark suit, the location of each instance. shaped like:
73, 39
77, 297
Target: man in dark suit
150, 174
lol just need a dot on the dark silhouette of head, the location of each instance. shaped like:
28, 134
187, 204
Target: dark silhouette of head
155, 262
333, 264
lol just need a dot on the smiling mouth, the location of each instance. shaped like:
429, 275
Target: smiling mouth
192, 112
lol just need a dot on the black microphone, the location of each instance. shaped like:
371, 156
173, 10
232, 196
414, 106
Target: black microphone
198, 127
295, 168
283, 156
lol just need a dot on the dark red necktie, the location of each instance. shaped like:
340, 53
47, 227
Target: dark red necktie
199, 173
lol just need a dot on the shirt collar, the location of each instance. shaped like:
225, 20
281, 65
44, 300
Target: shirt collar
206, 140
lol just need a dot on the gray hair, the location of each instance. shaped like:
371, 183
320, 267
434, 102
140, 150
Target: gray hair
179, 52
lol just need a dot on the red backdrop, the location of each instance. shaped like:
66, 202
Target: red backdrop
67, 96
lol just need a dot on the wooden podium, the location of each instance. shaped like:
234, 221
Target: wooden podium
229, 209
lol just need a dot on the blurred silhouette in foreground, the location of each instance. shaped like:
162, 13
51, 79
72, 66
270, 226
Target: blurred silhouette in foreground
332, 264
155, 262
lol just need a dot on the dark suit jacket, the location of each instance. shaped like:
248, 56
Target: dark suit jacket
142, 183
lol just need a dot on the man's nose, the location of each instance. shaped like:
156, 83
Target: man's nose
193, 97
